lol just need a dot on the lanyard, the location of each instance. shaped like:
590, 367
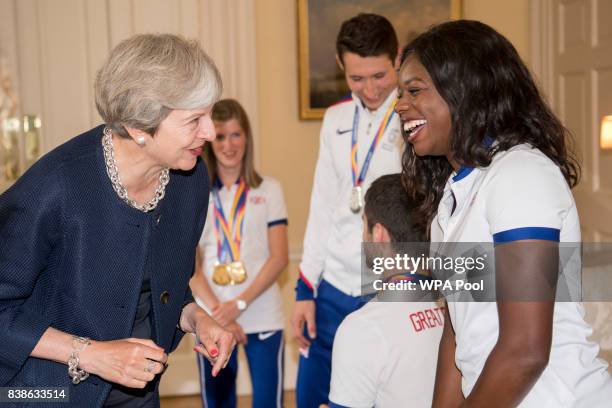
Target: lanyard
228, 245
381, 130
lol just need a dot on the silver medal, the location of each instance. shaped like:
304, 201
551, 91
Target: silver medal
356, 199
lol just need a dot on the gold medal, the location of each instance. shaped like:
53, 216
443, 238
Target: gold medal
233, 273
221, 275
356, 199
237, 272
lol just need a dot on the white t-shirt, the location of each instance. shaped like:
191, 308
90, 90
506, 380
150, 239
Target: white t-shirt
521, 195
265, 207
332, 242
385, 355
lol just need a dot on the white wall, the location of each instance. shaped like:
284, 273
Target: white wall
56, 47
575, 64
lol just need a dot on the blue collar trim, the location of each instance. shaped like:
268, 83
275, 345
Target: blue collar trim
218, 185
463, 172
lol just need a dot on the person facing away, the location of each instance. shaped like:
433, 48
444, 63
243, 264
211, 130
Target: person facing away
98, 236
359, 141
385, 353
244, 249
491, 162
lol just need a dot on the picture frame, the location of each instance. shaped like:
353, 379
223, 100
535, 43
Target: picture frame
321, 82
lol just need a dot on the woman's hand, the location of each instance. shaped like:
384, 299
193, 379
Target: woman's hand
238, 333
214, 343
128, 362
225, 313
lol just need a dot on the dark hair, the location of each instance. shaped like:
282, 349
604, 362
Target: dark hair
223, 111
387, 203
491, 97
367, 35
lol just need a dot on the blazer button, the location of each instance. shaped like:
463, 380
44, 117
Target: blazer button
164, 297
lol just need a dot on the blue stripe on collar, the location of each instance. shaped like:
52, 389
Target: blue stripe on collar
219, 185
463, 172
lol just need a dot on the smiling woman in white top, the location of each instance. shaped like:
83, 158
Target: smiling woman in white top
242, 251
491, 162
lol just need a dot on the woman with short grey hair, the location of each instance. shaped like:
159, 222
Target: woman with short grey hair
99, 236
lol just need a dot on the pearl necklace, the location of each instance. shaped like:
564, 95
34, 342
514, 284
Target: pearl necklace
113, 174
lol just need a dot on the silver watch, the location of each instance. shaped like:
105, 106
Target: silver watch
241, 304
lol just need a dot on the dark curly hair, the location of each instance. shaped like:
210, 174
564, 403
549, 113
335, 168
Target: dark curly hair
491, 97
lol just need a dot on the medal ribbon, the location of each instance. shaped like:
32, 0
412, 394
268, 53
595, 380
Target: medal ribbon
381, 130
229, 232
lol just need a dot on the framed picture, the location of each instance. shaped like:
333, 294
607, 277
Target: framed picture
321, 81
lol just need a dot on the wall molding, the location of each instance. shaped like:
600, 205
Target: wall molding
55, 49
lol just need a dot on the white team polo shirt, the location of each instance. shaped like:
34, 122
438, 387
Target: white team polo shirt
332, 243
265, 208
385, 355
521, 195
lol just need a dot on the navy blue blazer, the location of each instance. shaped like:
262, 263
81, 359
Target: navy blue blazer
72, 257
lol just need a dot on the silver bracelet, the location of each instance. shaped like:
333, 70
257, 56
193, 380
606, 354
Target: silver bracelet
78, 345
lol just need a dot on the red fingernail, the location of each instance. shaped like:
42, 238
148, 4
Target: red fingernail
214, 352
195, 349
